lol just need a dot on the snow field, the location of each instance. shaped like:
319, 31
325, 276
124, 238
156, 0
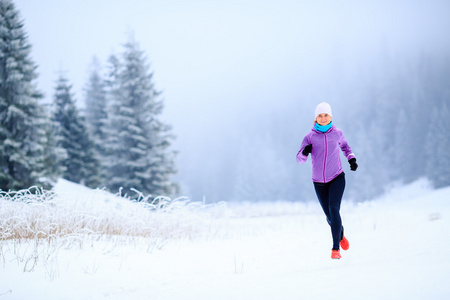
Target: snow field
399, 248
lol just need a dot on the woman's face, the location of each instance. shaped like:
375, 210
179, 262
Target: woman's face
323, 119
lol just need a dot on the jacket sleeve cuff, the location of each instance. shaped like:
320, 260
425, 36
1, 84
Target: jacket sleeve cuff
301, 158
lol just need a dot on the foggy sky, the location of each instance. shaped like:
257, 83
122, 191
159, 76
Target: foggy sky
221, 61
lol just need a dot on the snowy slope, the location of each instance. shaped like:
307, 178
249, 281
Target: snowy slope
399, 249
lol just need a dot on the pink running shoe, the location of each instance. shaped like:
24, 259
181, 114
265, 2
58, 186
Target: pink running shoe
344, 243
335, 254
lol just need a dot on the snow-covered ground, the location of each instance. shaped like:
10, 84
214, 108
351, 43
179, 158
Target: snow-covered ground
399, 249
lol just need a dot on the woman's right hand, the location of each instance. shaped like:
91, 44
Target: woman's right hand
307, 150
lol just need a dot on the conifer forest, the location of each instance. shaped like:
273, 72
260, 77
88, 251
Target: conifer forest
116, 133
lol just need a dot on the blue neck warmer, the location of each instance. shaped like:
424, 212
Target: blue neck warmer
323, 128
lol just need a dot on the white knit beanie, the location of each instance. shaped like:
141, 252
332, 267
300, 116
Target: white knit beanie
323, 108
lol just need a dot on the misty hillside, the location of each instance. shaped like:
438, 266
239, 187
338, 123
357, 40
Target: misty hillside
239, 82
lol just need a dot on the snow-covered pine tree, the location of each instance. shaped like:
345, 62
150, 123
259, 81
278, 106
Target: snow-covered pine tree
437, 144
80, 164
27, 153
137, 140
404, 154
96, 114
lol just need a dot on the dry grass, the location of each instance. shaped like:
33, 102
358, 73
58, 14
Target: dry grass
35, 224
39, 214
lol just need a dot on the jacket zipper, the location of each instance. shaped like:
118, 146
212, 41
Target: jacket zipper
325, 158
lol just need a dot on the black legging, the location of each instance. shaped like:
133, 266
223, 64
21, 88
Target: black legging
330, 196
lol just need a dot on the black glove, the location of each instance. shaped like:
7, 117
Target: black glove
353, 164
307, 150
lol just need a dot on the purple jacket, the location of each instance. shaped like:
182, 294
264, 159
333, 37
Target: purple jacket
326, 162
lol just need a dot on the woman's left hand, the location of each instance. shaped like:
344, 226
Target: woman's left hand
353, 164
